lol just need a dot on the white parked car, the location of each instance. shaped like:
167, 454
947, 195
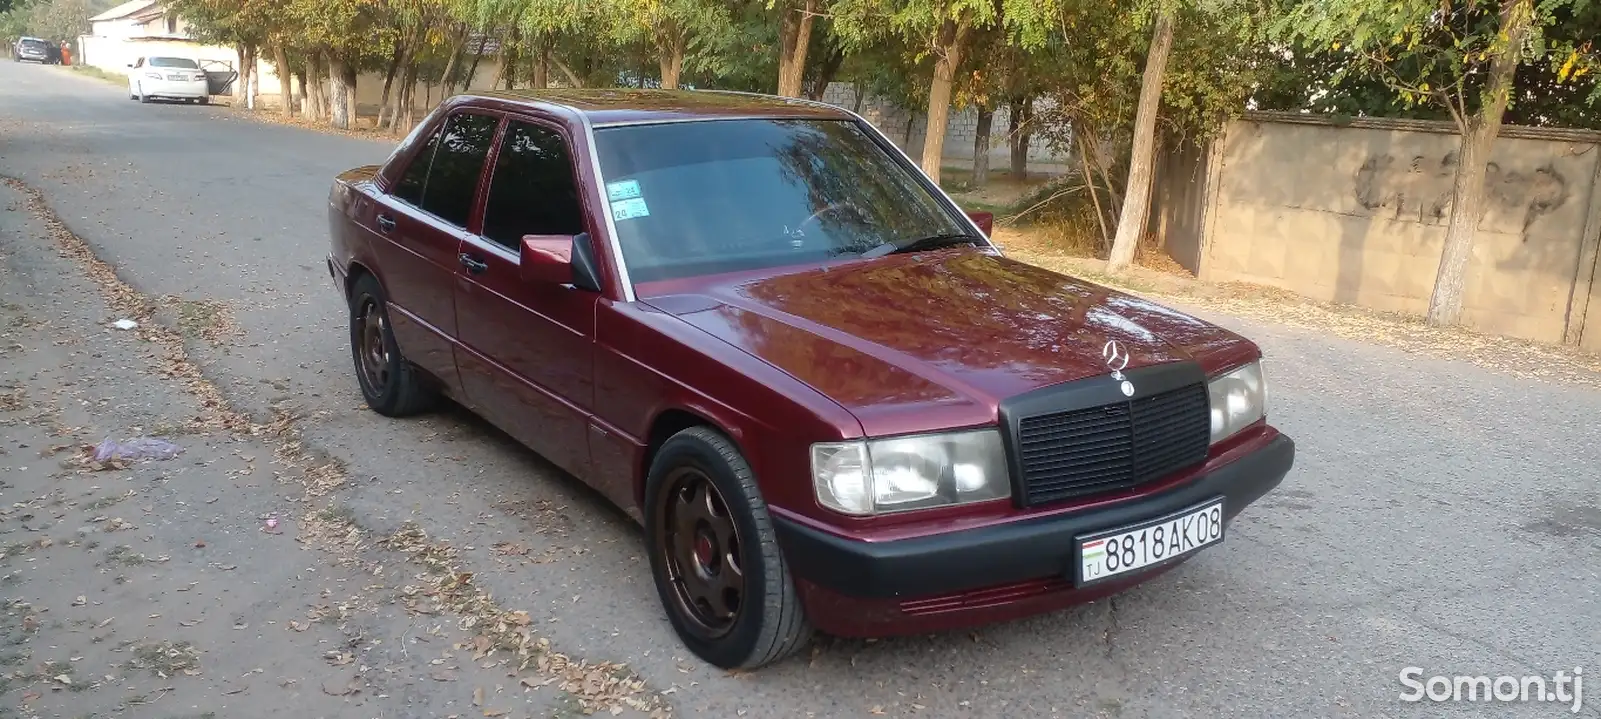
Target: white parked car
171, 78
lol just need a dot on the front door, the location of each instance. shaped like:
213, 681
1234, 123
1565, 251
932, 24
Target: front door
527, 348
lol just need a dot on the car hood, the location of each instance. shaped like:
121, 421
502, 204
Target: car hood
924, 341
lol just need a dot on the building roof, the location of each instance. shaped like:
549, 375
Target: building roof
124, 10
626, 105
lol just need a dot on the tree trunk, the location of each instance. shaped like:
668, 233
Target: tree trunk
478, 55
457, 47
1137, 198
245, 90
303, 95
981, 147
858, 95
339, 114
671, 56
348, 73
1473, 158
316, 87
401, 101
948, 56
794, 40
407, 107
508, 59
567, 72
541, 71
385, 107
1089, 186
1020, 113
286, 84
825, 75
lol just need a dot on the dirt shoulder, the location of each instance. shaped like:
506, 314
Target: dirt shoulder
227, 581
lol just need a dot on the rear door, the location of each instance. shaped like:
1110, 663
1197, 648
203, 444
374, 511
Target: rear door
527, 348
418, 230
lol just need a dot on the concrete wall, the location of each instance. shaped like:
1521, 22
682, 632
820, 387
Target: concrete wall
113, 54
1356, 213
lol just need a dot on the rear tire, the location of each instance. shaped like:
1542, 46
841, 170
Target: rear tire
392, 386
715, 557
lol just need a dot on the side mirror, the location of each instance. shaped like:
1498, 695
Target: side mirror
984, 220
547, 259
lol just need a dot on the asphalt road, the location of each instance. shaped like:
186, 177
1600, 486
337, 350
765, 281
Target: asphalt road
1439, 516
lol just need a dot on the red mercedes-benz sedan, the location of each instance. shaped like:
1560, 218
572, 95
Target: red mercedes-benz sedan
754, 324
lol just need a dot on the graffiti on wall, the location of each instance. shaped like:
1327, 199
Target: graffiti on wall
1419, 189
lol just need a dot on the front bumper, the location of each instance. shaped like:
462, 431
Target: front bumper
887, 578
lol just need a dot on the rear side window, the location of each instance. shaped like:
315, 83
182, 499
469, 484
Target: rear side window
532, 191
458, 162
410, 186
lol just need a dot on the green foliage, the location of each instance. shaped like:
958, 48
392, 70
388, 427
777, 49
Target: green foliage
58, 20
1428, 58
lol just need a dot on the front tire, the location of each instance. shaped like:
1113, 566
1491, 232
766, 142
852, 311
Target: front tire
389, 383
715, 557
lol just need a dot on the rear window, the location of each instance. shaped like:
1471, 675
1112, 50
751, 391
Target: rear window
35, 43
182, 62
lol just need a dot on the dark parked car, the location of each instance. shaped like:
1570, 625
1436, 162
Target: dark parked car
755, 325
32, 49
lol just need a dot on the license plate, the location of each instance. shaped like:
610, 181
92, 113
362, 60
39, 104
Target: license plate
177, 77
1104, 555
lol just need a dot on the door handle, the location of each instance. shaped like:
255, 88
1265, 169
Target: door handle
473, 264
386, 223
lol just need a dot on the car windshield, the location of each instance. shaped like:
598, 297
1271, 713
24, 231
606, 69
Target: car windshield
705, 197
182, 62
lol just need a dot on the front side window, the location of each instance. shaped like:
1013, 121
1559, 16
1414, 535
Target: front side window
458, 162
532, 191
706, 197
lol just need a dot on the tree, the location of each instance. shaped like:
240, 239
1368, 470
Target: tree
1142, 156
1462, 55
939, 30
681, 33
796, 19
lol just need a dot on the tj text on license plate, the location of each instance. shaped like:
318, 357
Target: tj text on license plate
1107, 554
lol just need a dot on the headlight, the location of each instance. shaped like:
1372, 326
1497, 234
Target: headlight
903, 473
1238, 399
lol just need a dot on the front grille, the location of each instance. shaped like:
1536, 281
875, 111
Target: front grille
1111, 447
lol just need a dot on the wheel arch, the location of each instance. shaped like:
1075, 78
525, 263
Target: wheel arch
353, 273
668, 422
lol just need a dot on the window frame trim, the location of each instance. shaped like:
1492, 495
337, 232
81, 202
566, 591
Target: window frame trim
486, 184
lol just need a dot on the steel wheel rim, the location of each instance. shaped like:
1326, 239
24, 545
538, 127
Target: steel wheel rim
700, 548
374, 351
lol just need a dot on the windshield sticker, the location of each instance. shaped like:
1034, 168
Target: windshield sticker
629, 209
627, 189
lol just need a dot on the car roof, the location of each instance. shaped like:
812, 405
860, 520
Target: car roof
629, 106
